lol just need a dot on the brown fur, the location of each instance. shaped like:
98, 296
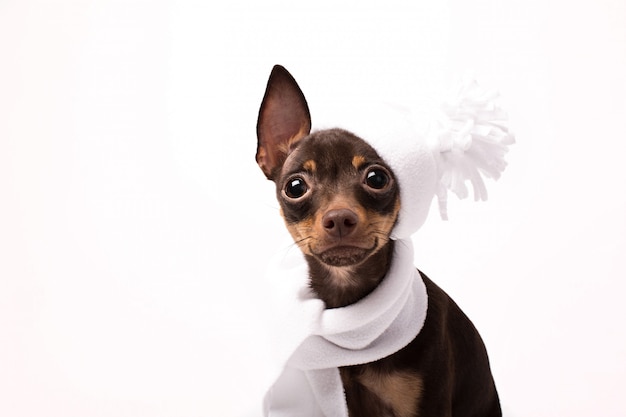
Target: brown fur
396, 393
342, 223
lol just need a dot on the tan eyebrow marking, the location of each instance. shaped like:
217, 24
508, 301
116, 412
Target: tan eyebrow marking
357, 161
309, 165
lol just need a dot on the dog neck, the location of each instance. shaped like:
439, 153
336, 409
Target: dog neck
342, 286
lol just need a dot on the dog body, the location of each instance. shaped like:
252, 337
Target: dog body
340, 201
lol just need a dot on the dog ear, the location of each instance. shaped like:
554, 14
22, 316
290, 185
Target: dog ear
284, 119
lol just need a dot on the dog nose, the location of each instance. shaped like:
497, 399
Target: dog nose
340, 222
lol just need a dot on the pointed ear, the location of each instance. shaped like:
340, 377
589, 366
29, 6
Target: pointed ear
283, 120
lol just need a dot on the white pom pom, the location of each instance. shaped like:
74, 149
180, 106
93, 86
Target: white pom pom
471, 138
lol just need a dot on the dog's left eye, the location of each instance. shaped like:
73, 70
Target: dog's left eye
376, 178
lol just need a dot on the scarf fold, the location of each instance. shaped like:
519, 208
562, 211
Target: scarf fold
313, 342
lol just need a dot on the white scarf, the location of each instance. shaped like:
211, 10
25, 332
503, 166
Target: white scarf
313, 341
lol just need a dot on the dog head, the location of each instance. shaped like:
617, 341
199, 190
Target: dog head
338, 197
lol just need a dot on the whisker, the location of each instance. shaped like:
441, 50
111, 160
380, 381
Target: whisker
300, 243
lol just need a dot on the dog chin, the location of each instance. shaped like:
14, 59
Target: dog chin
344, 256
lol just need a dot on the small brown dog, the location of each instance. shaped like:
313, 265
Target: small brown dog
340, 202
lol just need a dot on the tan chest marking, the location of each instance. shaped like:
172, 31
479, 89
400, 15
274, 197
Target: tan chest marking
401, 390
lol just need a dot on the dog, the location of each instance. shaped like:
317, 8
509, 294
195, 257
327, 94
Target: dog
340, 201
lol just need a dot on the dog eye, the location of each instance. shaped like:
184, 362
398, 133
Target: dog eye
296, 188
376, 178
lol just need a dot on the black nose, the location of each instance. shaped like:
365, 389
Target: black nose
340, 223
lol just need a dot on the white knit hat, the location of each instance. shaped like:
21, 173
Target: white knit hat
465, 140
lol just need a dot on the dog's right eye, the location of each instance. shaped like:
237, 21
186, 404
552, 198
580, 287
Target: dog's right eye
296, 188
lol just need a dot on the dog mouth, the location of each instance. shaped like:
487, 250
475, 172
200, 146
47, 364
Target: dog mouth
345, 255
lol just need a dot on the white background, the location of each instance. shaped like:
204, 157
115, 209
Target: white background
135, 225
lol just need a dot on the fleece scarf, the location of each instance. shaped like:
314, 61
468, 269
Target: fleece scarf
314, 342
